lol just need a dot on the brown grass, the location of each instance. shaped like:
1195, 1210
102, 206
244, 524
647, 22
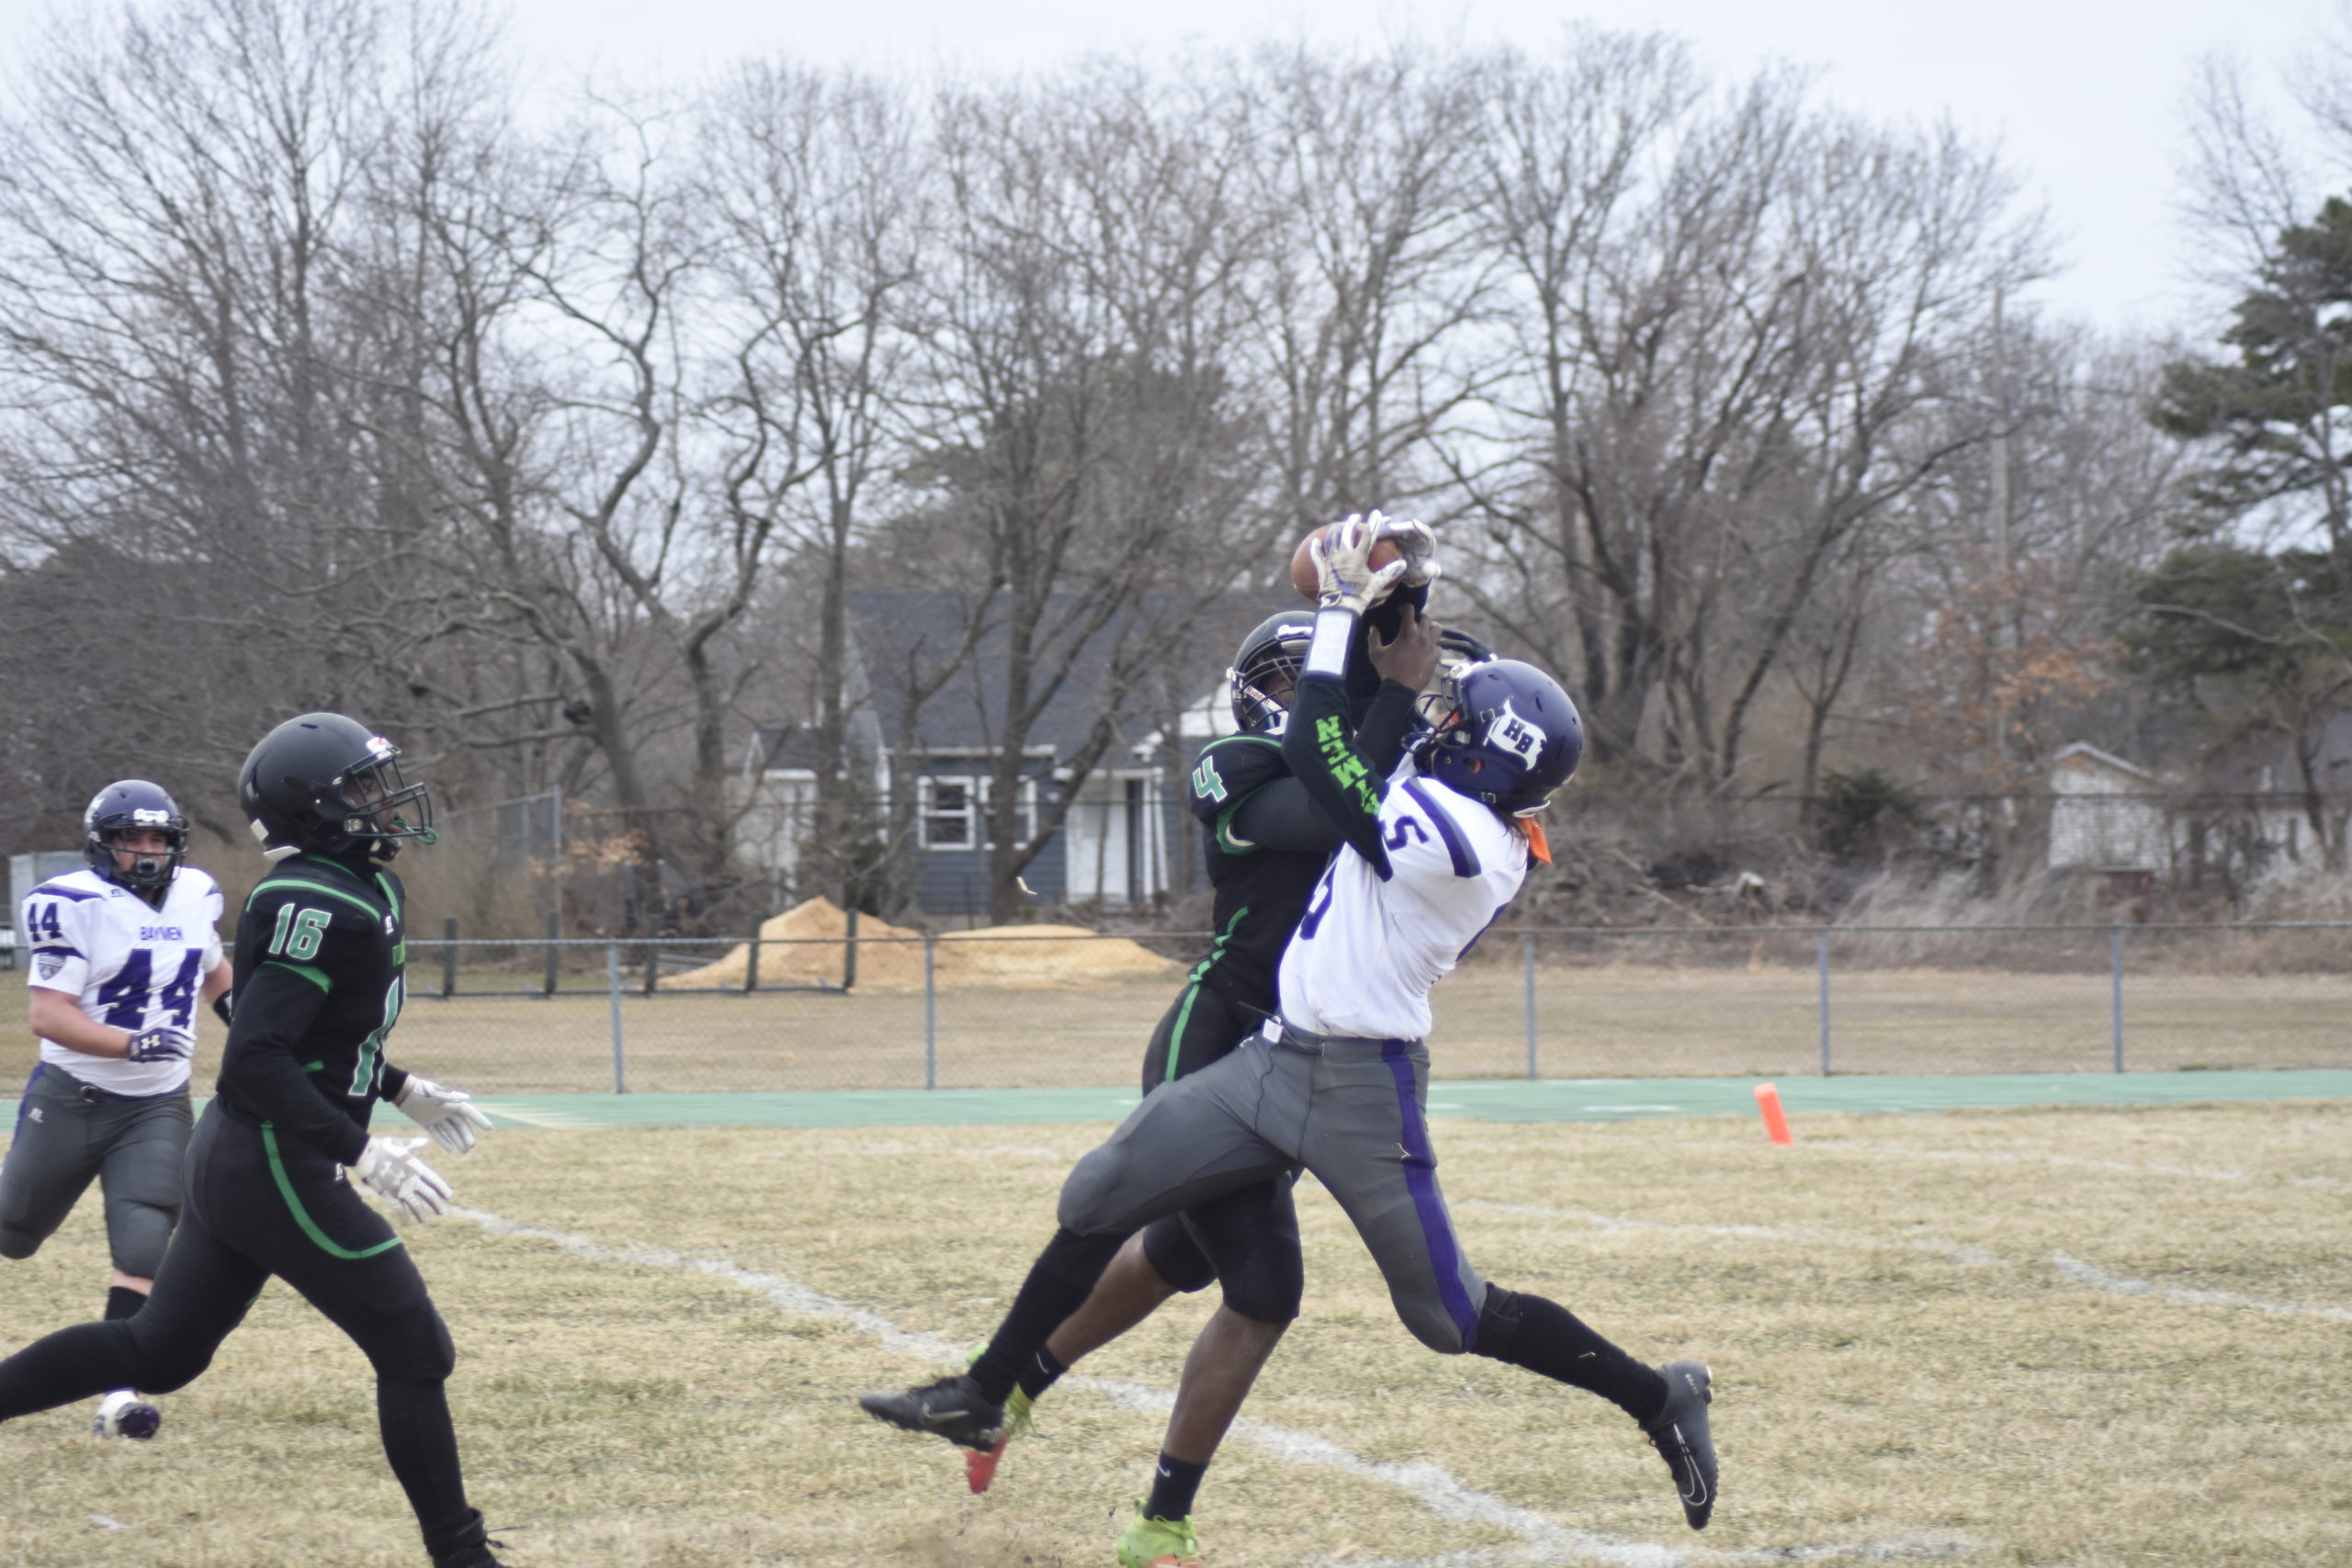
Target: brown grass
1902, 1366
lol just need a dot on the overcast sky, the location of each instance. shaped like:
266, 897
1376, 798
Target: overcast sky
2086, 96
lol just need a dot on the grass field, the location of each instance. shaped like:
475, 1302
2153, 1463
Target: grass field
2049, 1337
1615, 1021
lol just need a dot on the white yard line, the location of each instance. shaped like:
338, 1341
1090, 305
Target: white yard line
1540, 1540
2100, 1279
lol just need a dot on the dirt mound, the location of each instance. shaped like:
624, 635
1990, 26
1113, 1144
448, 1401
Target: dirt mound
804, 946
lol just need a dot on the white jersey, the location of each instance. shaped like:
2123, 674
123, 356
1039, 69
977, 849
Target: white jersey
1367, 951
132, 965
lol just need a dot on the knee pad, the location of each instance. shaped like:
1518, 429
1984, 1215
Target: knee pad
1174, 1255
1090, 1180
137, 1234
1430, 1322
167, 1368
1266, 1285
424, 1352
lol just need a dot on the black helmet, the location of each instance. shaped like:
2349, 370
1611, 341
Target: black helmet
1266, 668
134, 803
325, 783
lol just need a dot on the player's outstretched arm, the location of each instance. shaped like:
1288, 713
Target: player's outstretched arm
1319, 744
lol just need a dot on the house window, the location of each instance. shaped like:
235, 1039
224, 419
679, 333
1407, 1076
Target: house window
954, 814
949, 821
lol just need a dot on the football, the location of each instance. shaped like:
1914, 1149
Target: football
1302, 560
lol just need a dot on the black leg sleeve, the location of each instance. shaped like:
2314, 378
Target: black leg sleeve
1058, 1285
420, 1444
1546, 1338
201, 1292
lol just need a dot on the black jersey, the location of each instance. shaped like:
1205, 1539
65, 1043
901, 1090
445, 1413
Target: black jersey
1266, 845
319, 984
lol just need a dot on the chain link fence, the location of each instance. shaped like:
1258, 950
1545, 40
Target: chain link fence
947, 1010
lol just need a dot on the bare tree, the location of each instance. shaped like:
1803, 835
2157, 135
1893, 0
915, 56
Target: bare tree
189, 355
823, 199
1086, 443
1372, 291
1734, 313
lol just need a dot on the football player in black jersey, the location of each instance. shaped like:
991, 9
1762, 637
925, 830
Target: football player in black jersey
319, 962
1266, 844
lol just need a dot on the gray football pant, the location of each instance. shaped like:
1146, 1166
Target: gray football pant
132, 1148
1351, 1112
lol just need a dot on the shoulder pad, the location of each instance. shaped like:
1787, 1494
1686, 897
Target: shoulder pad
1229, 771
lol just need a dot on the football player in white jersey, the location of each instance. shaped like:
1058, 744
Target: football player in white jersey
1338, 1083
120, 955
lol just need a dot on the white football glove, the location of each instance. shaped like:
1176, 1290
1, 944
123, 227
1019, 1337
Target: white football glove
389, 1168
160, 1044
1412, 536
442, 1113
1343, 573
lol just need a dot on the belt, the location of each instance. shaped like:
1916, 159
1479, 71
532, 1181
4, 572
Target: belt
92, 1094
1279, 1031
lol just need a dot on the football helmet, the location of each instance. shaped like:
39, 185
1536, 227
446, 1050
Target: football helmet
1266, 670
1511, 738
326, 784
123, 805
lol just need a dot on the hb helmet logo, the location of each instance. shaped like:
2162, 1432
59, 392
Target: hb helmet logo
1510, 733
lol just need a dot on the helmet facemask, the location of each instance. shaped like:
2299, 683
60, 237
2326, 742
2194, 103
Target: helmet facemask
1263, 681
377, 803
134, 806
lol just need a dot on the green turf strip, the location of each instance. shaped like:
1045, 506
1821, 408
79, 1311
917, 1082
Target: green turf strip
1485, 1099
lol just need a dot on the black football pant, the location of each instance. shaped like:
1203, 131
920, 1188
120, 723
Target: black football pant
1246, 1240
256, 1207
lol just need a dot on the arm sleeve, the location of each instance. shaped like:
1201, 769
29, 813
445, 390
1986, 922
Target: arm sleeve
1282, 815
261, 1068
1323, 755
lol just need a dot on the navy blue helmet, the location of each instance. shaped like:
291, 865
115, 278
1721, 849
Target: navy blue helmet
1512, 737
328, 783
130, 803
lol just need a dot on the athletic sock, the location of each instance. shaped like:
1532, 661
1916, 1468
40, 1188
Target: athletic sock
1044, 1368
1174, 1486
1058, 1285
122, 1302
1546, 1338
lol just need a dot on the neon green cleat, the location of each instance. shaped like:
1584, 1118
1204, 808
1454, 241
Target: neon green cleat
1158, 1543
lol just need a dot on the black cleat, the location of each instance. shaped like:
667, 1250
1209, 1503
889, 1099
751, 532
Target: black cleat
470, 1548
953, 1408
1680, 1432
